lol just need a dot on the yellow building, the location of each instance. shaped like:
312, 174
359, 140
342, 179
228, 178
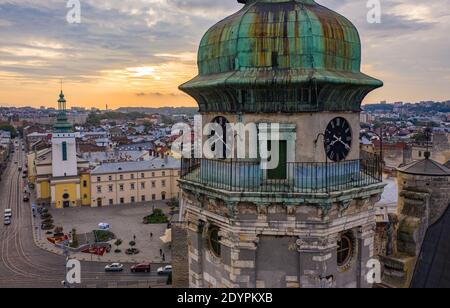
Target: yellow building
60, 176
135, 182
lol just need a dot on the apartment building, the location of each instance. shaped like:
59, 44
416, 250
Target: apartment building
134, 182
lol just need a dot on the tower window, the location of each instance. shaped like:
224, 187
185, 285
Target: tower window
345, 249
274, 59
214, 241
64, 151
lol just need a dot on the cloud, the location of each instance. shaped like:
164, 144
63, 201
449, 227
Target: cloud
152, 44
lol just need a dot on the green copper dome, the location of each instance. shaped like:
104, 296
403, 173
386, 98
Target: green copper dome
280, 56
62, 125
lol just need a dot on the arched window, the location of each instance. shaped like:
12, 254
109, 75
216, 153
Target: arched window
214, 241
346, 249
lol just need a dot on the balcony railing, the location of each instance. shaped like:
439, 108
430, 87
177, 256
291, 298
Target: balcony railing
249, 176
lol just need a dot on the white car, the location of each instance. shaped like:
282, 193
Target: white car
8, 213
115, 267
7, 221
166, 270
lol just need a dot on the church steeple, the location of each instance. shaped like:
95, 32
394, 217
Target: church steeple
62, 125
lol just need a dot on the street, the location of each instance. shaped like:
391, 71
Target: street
23, 264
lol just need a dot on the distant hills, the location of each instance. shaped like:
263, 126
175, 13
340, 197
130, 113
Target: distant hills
162, 110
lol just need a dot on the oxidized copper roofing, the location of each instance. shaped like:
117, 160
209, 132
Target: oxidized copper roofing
280, 44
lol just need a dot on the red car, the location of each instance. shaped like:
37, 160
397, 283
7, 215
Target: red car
141, 268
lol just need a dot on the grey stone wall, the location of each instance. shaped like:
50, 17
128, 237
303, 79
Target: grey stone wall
180, 258
279, 245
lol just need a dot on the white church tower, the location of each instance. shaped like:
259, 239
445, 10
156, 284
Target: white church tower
64, 155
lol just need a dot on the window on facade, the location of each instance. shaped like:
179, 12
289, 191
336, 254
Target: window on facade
163, 173
143, 198
132, 176
121, 177
110, 188
153, 174
64, 151
85, 184
153, 197
121, 187
163, 183
111, 201
153, 184
122, 200
345, 249
274, 59
214, 241
163, 196
99, 189
133, 199
143, 185
110, 178
132, 186
99, 179
142, 175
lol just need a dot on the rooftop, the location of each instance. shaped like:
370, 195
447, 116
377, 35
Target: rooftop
155, 164
425, 167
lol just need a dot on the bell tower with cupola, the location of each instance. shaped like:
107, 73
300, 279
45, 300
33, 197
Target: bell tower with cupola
64, 155
289, 69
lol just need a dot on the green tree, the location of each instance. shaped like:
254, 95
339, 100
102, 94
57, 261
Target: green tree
75, 241
9, 128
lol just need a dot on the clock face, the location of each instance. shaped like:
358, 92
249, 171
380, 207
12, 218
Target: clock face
338, 139
222, 121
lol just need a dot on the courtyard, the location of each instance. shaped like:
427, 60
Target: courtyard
126, 222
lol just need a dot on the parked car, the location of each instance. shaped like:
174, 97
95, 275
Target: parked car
141, 268
7, 221
8, 213
26, 199
115, 267
166, 270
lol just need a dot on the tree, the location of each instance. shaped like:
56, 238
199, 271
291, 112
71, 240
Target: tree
9, 128
118, 243
75, 242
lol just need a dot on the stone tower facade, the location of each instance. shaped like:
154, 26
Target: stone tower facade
288, 71
424, 197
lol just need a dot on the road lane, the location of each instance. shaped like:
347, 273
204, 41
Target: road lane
23, 264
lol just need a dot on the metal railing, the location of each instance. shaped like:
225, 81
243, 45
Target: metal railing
309, 177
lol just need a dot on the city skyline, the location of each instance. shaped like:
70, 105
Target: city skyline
136, 54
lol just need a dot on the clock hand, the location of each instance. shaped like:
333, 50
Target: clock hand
346, 145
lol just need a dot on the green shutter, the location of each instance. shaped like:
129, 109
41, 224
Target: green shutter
64, 151
280, 173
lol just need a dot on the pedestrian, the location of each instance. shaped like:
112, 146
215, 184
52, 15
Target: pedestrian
164, 257
134, 238
160, 252
151, 235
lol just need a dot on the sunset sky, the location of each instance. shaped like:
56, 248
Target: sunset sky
137, 52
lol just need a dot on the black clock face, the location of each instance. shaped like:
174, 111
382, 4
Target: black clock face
338, 139
222, 121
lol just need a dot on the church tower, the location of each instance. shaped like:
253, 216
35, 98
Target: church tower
307, 218
64, 155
